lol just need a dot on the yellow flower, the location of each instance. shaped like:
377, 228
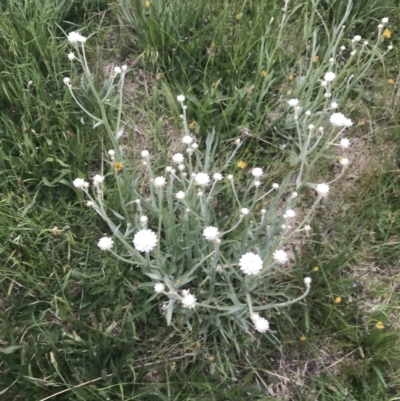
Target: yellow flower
192, 125
362, 122
242, 164
290, 77
263, 74
387, 33
315, 269
303, 338
315, 59
238, 17
147, 4
379, 325
338, 300
390, 81
118, 166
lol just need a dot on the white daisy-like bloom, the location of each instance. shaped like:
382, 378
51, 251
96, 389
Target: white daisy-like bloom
89, 204
344, 161
117, 70
321, 130
145, 240
329, 76
331, 60
307, 228
344, 143
188, 301
202, 179
159, 288
275, 185
390, 47
257, 183
356, 38
80, 183
250, 263
294, 195
308, 113
334, 105
290, 213
257, 172
67, 81
217, 177
194, 146
263, 211
365, 43
181, 167
261, 324
178, 158
75, 37
280, 256
342, 48
180, 195
168, 169
71, 56
187, 139
124, 68
307, 281
180, 98
385, 20
98, 179
311, 126
111, 153
293, 102
105, 243
211, 233
159, 182
322, 189
244, 211
144, 219
353, 53
324, 83
380, 26
229, 177
145, 153
339, 120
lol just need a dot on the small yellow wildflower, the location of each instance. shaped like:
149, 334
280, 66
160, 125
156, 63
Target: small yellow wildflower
118, 166
303, 338
242, 164
338, 300
238, 17
362, 122
387, 33
290, 77
263, 74
315, 269
192, 125
147, 3
379, 325
390, 81
315, 59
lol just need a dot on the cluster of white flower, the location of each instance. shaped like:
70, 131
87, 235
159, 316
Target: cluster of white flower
75, 37
250, 263
261, 324
145, 240
188, 300
339, 120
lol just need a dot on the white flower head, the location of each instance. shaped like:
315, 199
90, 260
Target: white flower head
324, 83
217, 177
308, 113
356, 38
67, 81
229, 177
307, 228
145, 240
187, 139
202, 179
178, 158
75, 37
339, 120
89, 204
80, 183
311, 126
244, 211
144, 219
322, 189
280, 257
124, 68
307, 281
257, 172
385, 20
293, 102
250, 263
294, 195
344, 143
194, 146
261, 324
342, 48
188, 301
159, 288
390, 47
71, 56
181, 167
290, 213
180, 98
180, 195
98, 179
275, 185
334, 105
145, 153
117, 70
111, 153
105, 243
159, 182
211, 233
344, 161
353, 53
329, 76
257, 183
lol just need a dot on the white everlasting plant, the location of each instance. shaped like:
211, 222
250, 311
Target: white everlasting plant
207, 243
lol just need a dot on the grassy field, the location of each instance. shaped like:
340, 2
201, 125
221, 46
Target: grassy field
77, 323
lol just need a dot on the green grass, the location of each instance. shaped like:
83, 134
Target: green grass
70, 315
